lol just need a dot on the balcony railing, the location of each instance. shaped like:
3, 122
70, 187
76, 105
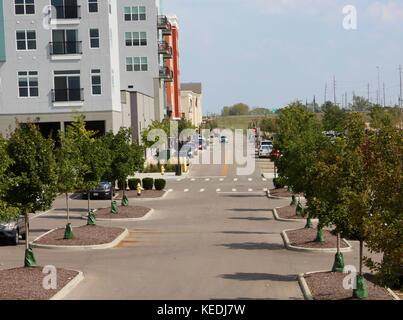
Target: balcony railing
66, 12
67, 95
65, 47
165, 49
166, 74
164, 25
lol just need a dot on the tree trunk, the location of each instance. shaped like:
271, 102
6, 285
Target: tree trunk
361, 255
68, 207
338, 242
124, 188
89, 196
26, 230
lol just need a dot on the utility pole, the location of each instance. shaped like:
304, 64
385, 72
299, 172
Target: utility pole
325, 93
401, 96
378, 95
368, 93
384, 95
346, 101
334, 90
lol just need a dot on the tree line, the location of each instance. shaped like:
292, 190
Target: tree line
34, 170
352, 183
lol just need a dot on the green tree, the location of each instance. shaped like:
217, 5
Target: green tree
383, 117
383, 156
69, 163
269, 125
7, 213
34, 175
334, 117
127, 157
361, 104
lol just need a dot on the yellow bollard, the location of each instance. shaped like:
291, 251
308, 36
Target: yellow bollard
162, 170
139, 189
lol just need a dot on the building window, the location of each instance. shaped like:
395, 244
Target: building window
96, 82
28, 84
135, 13
136, 39
67, 86
26, 40
24, 6
136, 64
94, 38
92, 5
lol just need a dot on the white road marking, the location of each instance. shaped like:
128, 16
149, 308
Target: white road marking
218, 190
186, 190
233, 190
193, 179
235, 179
250, 179
202, 190
207, 179
170, 190
250, 190
264, 179
222, 179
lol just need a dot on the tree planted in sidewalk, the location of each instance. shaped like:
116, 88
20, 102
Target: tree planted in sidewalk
126, 158
34, 175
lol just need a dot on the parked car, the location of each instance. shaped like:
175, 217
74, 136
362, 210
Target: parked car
265, 151
202, 143
13, 231
266, 143
224, 139
103, 191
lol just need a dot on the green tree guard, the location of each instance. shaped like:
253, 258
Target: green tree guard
299, 210
114, 207
294, 200
30, 261
338, 265
361, 292
320, 236
68, 232
91, 219
125, 201
309, 224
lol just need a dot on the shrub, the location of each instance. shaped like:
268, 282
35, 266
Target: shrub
279, 182
133, 183
160, 184
148, 183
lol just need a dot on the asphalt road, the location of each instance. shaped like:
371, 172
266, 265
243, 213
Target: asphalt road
212, 237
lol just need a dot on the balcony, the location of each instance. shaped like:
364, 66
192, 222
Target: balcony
65, 50
166, 74
164, 25
65, 14
68, 97
165, 49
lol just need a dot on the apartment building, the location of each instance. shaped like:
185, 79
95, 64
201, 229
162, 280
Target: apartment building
59, 58
172, 70
192, 102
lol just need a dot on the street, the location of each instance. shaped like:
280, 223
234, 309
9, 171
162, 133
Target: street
212, 237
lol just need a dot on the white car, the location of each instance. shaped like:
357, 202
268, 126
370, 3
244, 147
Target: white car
265, 151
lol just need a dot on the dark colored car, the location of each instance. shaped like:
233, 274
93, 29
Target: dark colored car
103, 191
13, 231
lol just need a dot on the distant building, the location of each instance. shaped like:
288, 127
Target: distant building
192, 102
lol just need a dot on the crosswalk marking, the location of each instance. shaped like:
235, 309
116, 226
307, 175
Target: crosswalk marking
218, 190
186, 190
233, 190
202, 190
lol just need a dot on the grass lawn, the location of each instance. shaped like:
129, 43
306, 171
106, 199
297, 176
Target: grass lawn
237, 122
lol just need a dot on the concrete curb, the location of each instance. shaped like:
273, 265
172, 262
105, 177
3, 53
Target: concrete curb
289, 246
123, 220
277, 217
109, 245
308, 294
69, 287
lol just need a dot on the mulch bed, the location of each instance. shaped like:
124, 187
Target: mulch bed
83, 236
124, 213
329, 286
145, 194
306, 238
26, 283
288, 213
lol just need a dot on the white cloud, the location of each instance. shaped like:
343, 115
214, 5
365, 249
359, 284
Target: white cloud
392, 11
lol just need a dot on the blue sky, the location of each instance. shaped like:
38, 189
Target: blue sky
271, 52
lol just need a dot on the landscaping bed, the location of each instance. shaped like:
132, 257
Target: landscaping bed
288, 213
83, 236
329, 286
145, 194
26, 283
282, 192
305, 238
130, 212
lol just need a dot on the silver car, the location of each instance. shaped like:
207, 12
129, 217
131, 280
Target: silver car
13, 231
